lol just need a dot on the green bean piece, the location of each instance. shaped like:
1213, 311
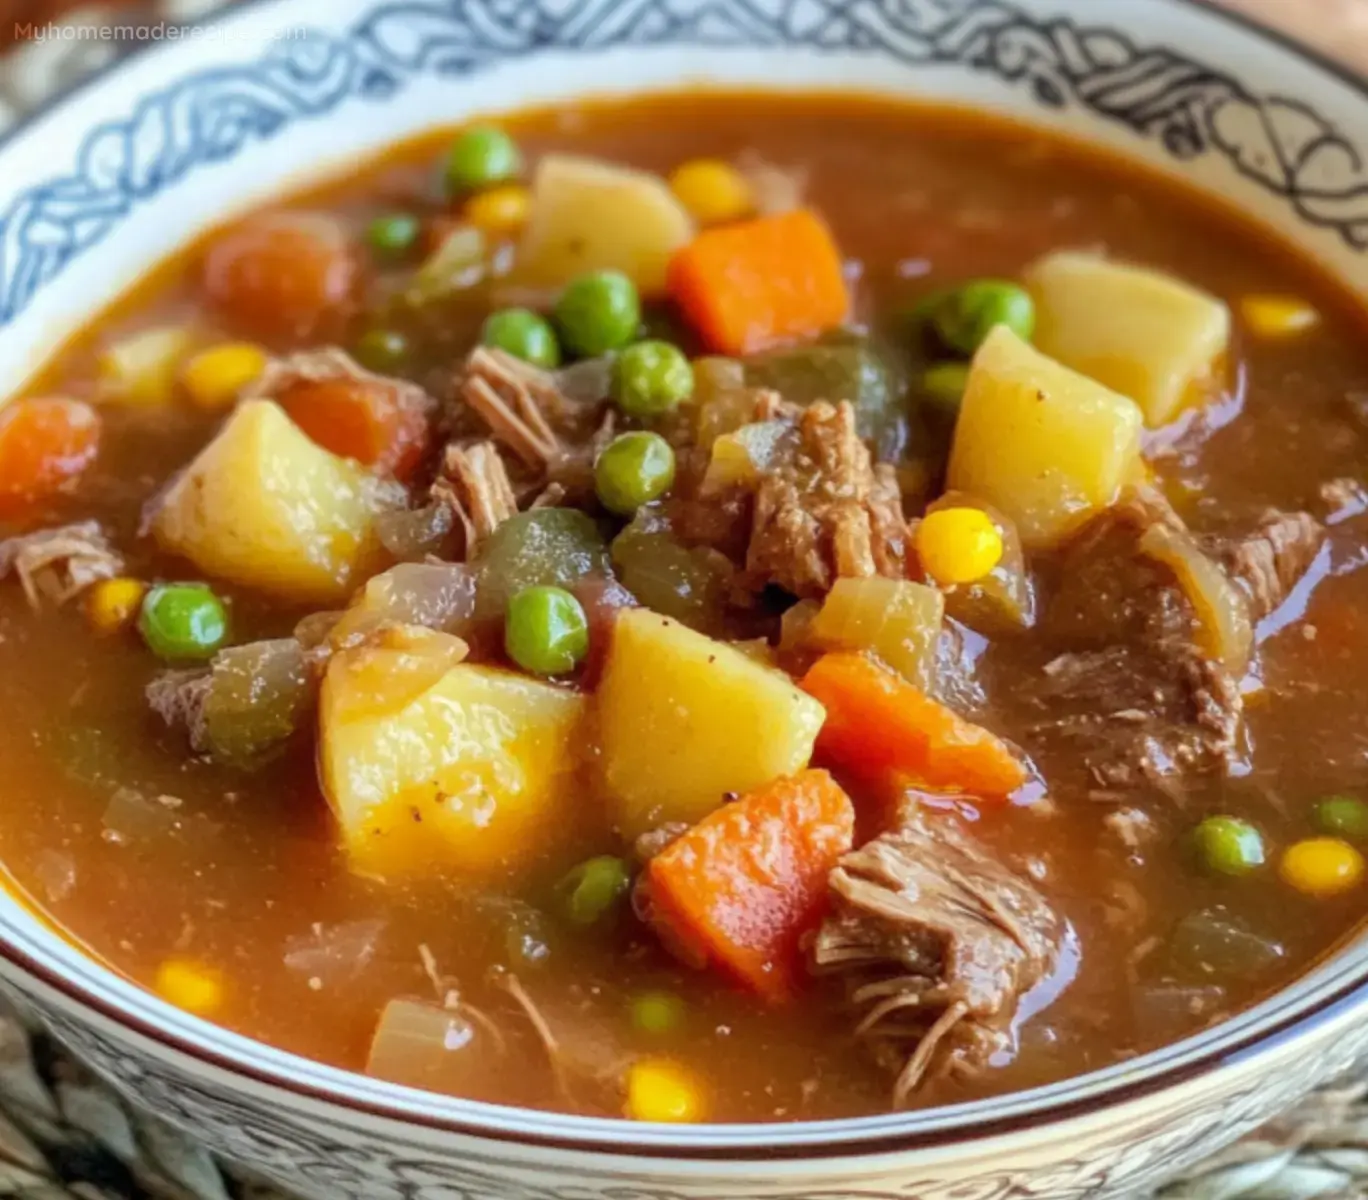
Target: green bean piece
651, 379
183, 621
1343, 816
382, 349
546, 631
1229, 846
658, 1013
393, 235
480, 158
633, 470
593, 890
523, 334
597, 313
962, 317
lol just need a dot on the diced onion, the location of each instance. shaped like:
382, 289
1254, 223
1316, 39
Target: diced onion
1226, 630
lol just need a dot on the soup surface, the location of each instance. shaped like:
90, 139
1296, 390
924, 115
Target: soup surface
920, 654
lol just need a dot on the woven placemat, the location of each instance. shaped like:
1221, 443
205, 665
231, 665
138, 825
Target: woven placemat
65, 1135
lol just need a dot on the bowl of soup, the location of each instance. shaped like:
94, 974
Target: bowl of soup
690, 599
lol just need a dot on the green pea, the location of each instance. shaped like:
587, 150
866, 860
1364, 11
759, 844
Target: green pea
598, 312
633, 470
651, 378
658, 1013
523, 334
546, 631
183, 621
945, 383
962, 317
594, 889
382, 349
1228, 845
394, 235
480, 158
1343, 816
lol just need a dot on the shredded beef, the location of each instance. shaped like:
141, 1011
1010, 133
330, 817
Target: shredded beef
518, 402
1268, 561
936, 943
178, 697
474, 483
58, 564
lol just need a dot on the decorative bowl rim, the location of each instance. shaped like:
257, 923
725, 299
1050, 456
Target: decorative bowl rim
1255, 1033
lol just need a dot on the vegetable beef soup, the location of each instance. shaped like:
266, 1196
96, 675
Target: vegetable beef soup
719, 607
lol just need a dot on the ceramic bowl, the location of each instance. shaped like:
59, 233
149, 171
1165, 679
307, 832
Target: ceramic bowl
136, 162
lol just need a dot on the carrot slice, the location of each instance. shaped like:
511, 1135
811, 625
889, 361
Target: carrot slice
44, 442
744, 884
880, 725
362, 420
758, 283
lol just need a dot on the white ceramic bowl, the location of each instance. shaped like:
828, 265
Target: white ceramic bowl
98, 188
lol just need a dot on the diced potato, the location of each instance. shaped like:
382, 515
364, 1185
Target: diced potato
896, 619
142, 369
264, 506
430, 765
684, 720
1045, 445
1142, 333
591, 216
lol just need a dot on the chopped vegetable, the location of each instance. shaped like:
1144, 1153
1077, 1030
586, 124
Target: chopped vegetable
634, 469
743, 885
480, 158
663, 1092
598, 312
458, 262
500, 210
429, 1046
741, 458
1226, 630
259, 695
593, 216
722, 399
752, 285
713, 191
958, 545
685, 719
1141, 333
394, 235
1048, 447
486, 759
282, 275
557, 547
1228, 845
1322, 866
114, 604
848, 369
944, 383
383, 350
183, 621
687, 583
369, 421
963, 317
523, 334
1343, 816
896, 619
1004, 599
435, 595
192, 986
546, 631
1211, 941
214, 378
1275, 317
264, 506
142, 369
658, 1013
651, 378
592, 891
880, 726
45, 442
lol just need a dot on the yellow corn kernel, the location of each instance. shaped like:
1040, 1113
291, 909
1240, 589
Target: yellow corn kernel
1322, 866
660, 1090
958, 545
500, 209
190, 985
113, 604
713, 191
215, 377
1277, 316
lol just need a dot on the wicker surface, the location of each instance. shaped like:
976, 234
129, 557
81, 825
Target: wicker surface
65, 1136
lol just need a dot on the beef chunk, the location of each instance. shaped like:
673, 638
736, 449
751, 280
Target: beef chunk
58, 564
1268, 561
823, 510
936, 943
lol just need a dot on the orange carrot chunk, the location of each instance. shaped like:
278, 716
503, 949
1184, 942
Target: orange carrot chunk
760, 283
357, 419
44, 442
879, 725
743, 885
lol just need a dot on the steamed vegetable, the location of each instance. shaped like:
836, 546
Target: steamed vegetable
598, 312
895, 619
546, 631
685, 719
741, 888
963, 317
847, 369
45, 442
651, 378
633, 470
542, 547
687, 583
485, 758
262, 505
1048, 447
362, 419
480, 158
593, 216
183, 621
259, 694
760, 283
1142, 333
883, 728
